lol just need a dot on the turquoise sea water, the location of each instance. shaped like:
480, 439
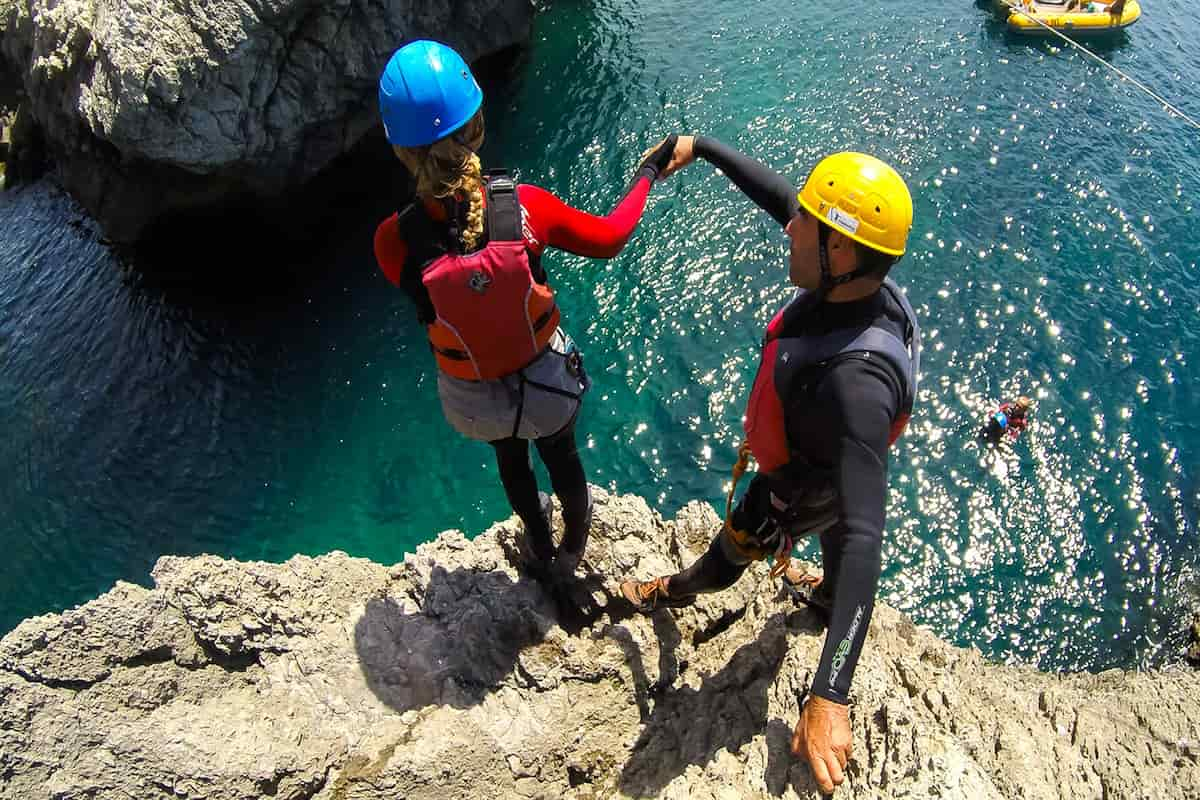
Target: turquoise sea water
1054, 253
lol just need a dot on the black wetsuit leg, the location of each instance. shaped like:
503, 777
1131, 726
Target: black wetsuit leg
560, 454
721, 566
520, 484
712, 572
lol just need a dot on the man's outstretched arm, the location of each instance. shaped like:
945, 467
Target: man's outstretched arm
771, 191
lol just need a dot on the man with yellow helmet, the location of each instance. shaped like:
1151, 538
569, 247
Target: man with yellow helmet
834, 389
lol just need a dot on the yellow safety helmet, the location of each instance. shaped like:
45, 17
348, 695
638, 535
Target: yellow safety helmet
861, 197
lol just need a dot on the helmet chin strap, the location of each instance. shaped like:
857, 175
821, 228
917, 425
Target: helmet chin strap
823, 257
829, 281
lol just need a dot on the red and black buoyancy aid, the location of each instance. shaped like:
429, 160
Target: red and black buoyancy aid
788, 361
492, 317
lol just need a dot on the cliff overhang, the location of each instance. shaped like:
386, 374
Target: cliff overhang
148, 109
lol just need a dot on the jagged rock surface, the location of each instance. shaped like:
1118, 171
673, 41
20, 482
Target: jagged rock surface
451, 675
153, 105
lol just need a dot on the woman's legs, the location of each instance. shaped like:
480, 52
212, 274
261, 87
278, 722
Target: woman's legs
561, 456
520, 484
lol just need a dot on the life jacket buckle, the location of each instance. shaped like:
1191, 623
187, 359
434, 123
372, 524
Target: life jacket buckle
501, 184
574, 363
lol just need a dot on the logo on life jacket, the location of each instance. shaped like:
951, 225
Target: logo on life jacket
479, 281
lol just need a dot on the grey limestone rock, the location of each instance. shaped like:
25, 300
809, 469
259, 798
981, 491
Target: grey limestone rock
451, 675
148, 106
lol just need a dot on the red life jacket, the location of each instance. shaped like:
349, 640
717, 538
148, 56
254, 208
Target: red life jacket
493, 318
786, 357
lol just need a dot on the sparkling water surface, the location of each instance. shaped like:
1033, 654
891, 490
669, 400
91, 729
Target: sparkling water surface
1052, 255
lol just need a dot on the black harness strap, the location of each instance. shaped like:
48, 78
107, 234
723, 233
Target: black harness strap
504, 223
544, 388
503, 208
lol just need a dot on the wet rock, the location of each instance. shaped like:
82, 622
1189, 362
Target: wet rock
453, 675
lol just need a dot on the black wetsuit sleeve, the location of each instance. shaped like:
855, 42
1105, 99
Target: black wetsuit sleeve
860, 399
769, 190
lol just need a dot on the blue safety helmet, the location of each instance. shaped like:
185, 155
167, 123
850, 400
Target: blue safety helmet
426, 93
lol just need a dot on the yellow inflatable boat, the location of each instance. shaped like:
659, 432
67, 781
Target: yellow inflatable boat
1072, 17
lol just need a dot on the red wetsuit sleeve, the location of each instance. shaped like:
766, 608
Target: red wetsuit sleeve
390, 250
549, 222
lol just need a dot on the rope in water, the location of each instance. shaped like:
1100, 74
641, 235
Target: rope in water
1167, 104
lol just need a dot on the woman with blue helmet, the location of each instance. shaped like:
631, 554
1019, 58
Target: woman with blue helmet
467, 250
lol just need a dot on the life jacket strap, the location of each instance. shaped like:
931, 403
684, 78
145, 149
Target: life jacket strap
450, 353
503, 208
545, 318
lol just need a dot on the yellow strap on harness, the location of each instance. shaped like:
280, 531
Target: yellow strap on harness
741, 539
739, 469
783, 556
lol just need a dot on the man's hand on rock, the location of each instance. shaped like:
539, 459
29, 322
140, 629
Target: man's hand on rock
823, 739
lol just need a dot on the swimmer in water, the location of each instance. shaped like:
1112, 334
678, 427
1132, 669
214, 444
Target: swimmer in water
1007, 420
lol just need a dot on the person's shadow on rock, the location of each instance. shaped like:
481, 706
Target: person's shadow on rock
580, 602
453, 645
462, 638
690, 726
668, 662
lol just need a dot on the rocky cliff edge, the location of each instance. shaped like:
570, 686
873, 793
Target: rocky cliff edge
451, 675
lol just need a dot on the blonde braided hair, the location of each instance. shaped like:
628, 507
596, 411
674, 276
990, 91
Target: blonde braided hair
450, 168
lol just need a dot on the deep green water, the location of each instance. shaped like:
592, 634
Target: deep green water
1054, 253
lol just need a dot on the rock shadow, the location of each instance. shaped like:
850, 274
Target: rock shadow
669, 665
780, 759
464, 637
690, 726
460, 644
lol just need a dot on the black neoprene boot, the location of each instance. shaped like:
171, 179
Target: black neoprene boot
575, 538
537, 543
